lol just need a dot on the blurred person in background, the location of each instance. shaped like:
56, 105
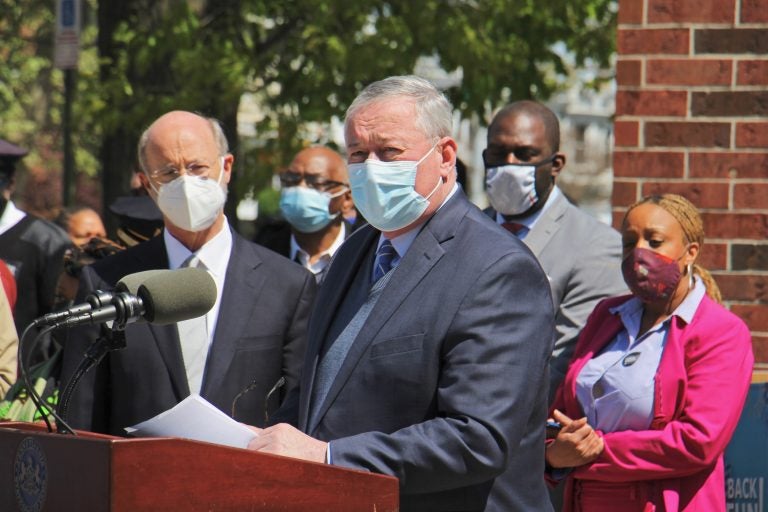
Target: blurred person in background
9, 339
81, 224
314, 201
138, 219
32, 248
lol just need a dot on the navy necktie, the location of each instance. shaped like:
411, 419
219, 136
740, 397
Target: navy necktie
384, 257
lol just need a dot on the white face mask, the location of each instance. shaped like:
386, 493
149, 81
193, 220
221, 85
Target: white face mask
191, 202
511, 188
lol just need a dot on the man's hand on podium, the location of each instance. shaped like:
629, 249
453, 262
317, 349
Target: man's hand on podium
283, 439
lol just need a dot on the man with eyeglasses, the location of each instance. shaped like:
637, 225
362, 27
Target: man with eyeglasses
581, 255
254, 336
315, 200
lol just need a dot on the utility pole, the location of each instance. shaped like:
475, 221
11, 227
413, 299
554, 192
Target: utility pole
66, 53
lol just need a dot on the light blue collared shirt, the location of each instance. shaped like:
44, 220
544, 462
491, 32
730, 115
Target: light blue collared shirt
616, 387
403, 242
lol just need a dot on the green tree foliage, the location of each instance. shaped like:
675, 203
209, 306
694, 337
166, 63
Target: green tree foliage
303, 61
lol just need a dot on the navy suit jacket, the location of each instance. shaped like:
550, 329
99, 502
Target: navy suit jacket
445, 385
260, 336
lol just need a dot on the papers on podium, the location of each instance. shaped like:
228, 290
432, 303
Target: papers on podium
195, 418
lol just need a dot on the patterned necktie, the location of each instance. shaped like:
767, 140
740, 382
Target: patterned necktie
514, 227
193, 335
384, 257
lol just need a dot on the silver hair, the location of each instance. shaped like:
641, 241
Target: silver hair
434, 114
216, 129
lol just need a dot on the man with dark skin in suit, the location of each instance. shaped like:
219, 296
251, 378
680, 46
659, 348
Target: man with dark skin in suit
522, 161
314, 201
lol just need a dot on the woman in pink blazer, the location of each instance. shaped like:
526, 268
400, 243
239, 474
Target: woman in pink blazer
657, 381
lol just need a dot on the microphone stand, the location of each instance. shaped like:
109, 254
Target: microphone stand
25, 356
110, 339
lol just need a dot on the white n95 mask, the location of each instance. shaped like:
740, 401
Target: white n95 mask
192, 202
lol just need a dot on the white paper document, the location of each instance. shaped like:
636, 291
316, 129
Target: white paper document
195, 418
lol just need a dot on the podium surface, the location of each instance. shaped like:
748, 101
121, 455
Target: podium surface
93, 472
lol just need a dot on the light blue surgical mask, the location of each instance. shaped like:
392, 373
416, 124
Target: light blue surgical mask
307, 209
384, 192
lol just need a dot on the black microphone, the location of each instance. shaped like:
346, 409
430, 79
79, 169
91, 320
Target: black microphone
98, 299
163, 297
94, 300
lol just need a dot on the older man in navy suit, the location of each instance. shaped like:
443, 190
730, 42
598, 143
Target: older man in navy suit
427, 359
254, 336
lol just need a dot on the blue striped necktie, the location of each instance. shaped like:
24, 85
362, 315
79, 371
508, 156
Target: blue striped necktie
384, 257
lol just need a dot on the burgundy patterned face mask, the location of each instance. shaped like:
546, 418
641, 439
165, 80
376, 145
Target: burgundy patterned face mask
651, 276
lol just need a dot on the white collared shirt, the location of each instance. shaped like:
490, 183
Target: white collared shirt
11, 216
214, 255
325, 257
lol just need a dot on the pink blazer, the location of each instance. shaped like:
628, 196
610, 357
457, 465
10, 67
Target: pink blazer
701, 385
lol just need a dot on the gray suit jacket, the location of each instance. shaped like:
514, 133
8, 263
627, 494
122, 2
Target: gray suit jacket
260, 336
445, 385
582, 259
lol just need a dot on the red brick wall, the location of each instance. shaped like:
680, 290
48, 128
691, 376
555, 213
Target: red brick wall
692, 118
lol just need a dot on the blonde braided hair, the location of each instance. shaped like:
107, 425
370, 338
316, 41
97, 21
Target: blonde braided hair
687, 215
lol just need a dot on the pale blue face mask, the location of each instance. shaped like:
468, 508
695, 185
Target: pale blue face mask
307, 209
384, 192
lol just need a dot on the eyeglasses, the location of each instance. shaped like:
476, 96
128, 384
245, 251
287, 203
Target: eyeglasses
493, 156
170, 172
293, 179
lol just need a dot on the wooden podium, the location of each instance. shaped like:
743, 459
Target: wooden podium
92, 472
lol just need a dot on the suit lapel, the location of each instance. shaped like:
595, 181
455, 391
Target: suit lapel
166, 336
241, 283
422, 256
546, 226
167, 339
342, 274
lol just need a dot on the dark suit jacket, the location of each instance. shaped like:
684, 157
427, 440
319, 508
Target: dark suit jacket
275, 234
260, 336
445, 385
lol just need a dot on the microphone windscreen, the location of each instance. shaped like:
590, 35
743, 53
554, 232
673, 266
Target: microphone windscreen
177, 295
131, 282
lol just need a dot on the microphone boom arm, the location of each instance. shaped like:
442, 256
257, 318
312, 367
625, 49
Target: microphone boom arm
111, 338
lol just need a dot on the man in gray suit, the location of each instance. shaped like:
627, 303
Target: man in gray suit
581, 256
427, 359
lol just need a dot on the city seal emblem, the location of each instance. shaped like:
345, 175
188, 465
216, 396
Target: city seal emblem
30, 476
